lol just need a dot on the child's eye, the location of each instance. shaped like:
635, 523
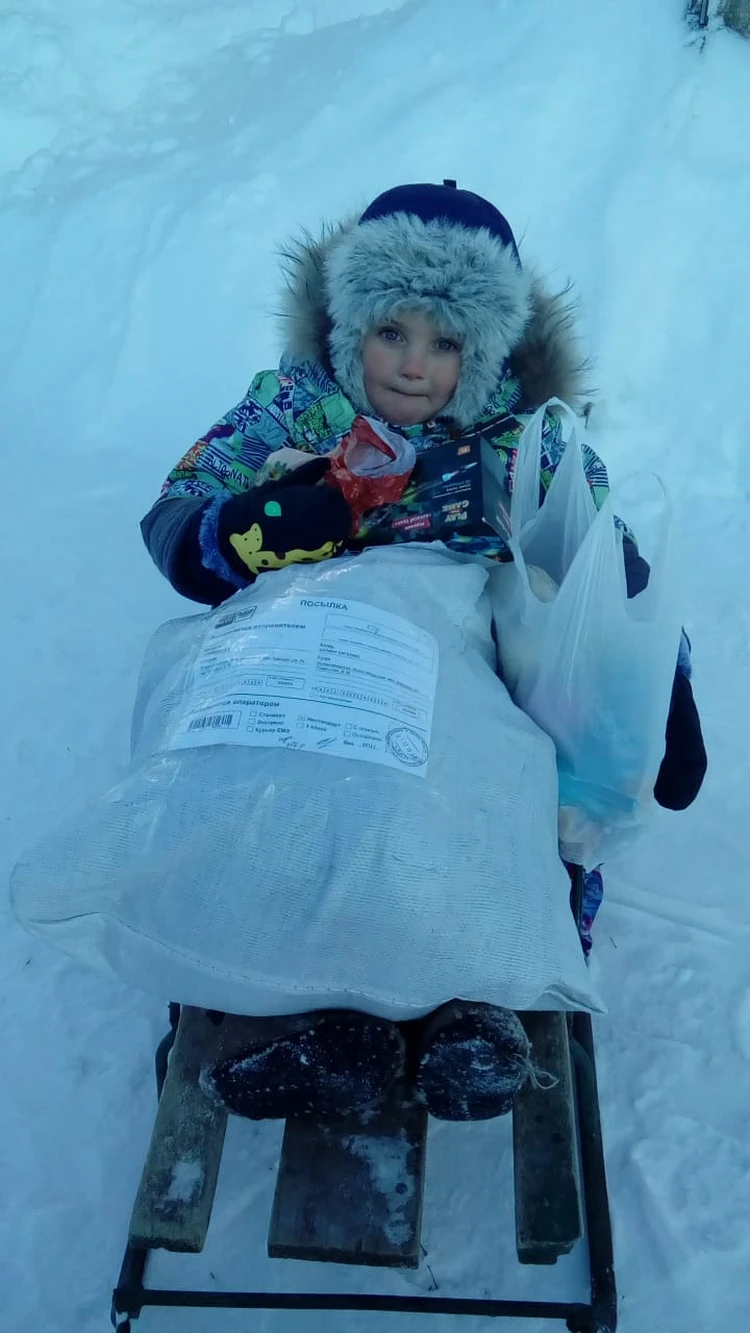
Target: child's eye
389, 335
448, 345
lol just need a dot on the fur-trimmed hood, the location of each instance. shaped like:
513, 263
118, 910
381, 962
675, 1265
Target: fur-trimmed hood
544, 351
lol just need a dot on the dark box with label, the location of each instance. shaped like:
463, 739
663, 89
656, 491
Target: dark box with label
455, 487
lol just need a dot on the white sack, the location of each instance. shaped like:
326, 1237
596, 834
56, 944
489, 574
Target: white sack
261, 879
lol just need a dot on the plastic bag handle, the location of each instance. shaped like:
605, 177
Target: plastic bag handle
524, 502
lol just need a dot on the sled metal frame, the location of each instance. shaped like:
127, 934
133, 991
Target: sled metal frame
131, 1296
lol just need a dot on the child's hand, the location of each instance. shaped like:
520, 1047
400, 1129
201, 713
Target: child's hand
285, 522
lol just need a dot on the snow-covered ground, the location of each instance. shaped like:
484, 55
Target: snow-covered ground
153, 153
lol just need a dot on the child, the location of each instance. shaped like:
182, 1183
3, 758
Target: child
420, 314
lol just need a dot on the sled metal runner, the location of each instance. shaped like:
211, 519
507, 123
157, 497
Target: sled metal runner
322, 1212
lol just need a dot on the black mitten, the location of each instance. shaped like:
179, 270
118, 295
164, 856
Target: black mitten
286, 522
683, 767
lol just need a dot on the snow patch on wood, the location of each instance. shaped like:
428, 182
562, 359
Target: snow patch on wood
187, 1181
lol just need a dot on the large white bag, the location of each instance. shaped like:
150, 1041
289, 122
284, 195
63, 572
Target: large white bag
592, 668
333, 801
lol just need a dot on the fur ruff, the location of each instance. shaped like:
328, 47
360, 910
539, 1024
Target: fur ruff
527, 326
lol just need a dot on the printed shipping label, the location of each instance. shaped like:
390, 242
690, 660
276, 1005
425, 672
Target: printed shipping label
315, 673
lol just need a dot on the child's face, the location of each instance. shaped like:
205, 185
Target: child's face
411, 369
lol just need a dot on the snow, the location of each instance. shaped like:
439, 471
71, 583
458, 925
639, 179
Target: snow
153, 154
387, 1164
187, 1180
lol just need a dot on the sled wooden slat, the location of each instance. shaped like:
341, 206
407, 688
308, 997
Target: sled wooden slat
173, 1205
549, 1217
350, 1191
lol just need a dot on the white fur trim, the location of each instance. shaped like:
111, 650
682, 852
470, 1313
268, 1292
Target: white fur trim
466, 280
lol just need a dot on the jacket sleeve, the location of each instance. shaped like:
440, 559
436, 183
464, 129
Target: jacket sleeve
171, 531
180, 529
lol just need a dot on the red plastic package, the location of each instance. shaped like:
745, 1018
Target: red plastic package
371, 467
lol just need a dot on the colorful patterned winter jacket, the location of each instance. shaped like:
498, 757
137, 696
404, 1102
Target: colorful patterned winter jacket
301, 406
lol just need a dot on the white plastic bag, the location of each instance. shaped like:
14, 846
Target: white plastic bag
264, 868
591, 667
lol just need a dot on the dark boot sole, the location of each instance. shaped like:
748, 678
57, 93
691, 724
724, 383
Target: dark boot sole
472, 1059
344, 1063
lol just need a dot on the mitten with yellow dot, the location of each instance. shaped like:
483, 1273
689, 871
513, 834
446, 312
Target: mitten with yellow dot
285, 522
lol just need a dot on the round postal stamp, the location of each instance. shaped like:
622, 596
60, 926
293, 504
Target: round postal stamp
408, 746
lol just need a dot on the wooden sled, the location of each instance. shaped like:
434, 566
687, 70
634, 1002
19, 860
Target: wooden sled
330, 1204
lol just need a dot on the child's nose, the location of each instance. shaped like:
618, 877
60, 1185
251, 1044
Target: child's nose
413, 364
